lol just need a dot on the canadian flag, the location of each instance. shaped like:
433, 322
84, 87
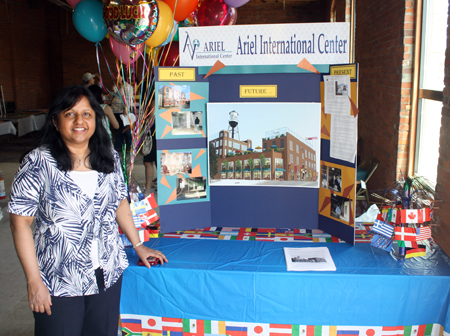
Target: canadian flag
416, 216
410, 216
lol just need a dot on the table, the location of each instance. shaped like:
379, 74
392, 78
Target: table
242, 287
7, 127
26, 122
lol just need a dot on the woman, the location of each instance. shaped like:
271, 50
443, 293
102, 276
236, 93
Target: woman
110, 119
72, 187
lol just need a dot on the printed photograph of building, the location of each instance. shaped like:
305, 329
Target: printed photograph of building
176, 163
187, 122
191, 188
251, 152
174, 96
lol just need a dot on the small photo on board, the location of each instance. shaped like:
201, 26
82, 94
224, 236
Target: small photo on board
324, 176
187, 122
191, 188
174, 96
335, 179
340, 207
341, 89
176, 163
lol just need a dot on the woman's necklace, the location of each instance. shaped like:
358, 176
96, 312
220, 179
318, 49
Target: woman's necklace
80, 162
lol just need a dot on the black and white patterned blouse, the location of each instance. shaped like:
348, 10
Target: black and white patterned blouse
66, 221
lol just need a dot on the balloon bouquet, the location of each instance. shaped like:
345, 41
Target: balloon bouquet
142, 35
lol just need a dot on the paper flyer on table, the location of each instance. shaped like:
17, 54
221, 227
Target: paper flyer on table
308, 259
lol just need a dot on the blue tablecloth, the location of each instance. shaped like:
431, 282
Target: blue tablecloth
247, 281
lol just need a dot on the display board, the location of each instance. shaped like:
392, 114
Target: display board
248, 146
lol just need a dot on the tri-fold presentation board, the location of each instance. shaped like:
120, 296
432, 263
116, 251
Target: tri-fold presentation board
244, 148
260, 145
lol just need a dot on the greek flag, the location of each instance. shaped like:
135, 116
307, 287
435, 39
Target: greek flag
383, 228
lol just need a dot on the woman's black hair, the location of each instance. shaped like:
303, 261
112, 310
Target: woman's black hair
101, 157
97, 92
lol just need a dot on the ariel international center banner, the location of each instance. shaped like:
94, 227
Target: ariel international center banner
319, 43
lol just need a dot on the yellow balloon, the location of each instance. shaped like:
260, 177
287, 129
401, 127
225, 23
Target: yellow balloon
164, 27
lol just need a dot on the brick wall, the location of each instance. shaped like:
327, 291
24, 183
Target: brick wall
42, 52
380, 52
442, 232
258, 12
24, 54
80, 55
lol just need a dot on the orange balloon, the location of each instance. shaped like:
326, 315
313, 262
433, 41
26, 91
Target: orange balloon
183, 8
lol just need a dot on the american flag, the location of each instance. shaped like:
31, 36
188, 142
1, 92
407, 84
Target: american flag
423, 233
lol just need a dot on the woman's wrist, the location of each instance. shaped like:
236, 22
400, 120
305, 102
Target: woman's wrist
138, 244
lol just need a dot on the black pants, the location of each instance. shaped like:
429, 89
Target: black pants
96, 315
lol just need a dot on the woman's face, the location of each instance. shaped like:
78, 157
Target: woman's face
77, 125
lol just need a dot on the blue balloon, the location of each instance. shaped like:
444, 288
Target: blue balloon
88, 20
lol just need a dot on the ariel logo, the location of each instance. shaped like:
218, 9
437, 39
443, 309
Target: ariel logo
192, 46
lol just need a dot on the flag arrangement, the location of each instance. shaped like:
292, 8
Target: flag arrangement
403, 225
140, 325
145, 219
256, 234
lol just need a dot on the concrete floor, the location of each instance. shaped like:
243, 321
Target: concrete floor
16, 318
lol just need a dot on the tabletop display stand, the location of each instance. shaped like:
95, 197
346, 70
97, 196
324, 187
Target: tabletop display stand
253, 146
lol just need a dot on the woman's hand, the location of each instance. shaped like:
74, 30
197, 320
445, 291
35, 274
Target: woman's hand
39, 297
144, 252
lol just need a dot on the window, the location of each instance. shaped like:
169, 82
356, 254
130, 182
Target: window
273, 143
431, 84
303, 156
282, 143
291, 157
298, 160
265, 146
226, 143
291, 145
296, 147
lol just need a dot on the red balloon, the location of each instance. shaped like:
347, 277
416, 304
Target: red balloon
183, 8
216, 13
73, 3
170, 55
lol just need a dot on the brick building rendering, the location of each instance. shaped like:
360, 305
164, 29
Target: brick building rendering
282, 158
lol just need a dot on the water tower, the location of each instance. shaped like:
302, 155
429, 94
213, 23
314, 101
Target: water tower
233, 124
